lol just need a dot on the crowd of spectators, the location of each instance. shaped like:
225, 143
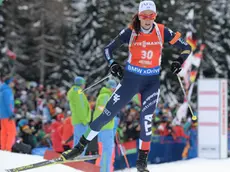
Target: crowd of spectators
163, 124
41, 110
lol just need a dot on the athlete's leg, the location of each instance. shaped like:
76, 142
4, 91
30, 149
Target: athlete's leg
124, 92
122, 95
149, 100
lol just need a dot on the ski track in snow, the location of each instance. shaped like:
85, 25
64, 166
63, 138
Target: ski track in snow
12, 160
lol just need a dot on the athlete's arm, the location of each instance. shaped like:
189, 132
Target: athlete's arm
118, 41
176, 40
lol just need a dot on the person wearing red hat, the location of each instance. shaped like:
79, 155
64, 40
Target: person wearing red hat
145, 39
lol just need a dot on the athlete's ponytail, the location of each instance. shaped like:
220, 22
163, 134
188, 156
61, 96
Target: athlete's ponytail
136, 24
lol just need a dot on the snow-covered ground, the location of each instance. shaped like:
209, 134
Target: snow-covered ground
11, 160
194, 165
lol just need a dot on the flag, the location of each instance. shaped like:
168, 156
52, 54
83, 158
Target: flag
197, 57
191, 40
137, 99
11, 54
189, 68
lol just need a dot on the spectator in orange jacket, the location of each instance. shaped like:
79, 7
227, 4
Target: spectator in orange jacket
56, 135
66, 131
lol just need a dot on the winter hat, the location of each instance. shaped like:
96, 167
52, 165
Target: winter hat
79, 81
58, 110
69, 112
166, 105
22, 122
9, 80
60, 116
17, 102
147, 5
111, 84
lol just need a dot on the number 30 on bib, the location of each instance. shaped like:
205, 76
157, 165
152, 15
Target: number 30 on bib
147, 54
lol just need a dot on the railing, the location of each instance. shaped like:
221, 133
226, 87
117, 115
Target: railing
163, 149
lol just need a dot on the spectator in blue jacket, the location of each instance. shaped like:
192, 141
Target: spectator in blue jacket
8, 127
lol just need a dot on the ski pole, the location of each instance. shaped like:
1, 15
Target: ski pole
122, 150
181, 85
81, 91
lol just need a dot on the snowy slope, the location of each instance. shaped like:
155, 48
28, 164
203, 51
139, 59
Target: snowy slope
194, 165
11, 160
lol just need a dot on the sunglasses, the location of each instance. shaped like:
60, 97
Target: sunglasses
147, 16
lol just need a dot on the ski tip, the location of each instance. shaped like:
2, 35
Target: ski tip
10, 170
86, 157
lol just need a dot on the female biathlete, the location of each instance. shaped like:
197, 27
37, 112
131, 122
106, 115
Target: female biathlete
141, 75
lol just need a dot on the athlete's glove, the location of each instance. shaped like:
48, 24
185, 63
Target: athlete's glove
116, 70
176, 65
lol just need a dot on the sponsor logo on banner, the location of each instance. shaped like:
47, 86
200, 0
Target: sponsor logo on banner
223, 107
116, 98
208, 149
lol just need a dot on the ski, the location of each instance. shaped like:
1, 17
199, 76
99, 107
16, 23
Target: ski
52, 162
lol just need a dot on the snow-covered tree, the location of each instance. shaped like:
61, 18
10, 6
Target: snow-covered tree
35, 33
70, 63
56, 40
100, 22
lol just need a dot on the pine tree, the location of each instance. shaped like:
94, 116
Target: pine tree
2, 33
2, 42
70, 64
211, 20
100, 23
7, 57
35, 33
57, 40
216, 39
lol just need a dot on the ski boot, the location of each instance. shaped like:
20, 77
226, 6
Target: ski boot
142, 161
76, 151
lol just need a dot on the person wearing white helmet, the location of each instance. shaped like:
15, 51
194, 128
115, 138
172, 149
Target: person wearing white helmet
145, 39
